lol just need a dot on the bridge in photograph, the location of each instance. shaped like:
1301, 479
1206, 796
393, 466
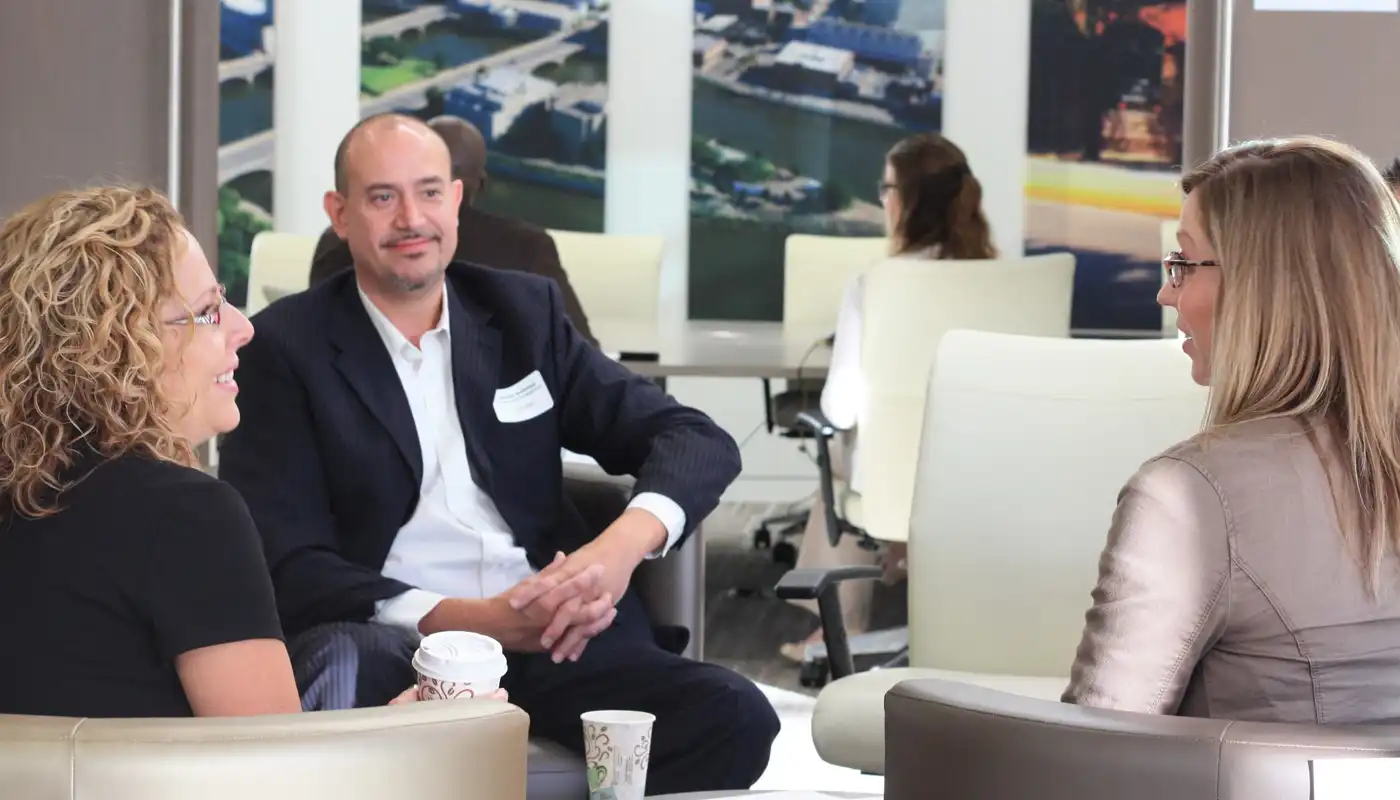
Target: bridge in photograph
255, 152
250, 66
416, 20
245, 156
553, 49
564, 14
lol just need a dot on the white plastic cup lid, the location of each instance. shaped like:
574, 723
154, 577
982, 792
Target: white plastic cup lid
618, 717
460, 656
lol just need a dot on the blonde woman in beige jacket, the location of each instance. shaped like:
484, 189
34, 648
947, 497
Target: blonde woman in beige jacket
1251, 572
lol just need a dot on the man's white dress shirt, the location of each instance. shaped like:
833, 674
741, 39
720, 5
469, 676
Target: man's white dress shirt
456, 544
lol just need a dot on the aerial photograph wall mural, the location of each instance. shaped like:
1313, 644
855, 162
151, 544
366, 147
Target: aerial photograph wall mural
795, 104
530, 74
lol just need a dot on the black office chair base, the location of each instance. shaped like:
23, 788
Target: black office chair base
814, 673
784, 551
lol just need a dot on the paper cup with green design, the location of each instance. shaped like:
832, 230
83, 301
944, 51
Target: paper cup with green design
616, 749
458, 665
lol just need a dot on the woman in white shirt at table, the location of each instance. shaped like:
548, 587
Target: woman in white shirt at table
933, 210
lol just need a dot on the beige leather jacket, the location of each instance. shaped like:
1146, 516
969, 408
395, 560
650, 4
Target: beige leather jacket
1226, 590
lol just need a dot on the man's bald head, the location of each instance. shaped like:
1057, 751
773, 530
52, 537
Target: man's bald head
467, 147
369, 125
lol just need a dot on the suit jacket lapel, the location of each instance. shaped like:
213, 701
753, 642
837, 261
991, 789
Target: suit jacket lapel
476, 369
369, 369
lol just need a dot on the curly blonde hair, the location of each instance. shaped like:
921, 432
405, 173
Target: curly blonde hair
82, 277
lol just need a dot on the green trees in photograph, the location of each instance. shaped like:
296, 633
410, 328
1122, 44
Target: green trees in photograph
236, 228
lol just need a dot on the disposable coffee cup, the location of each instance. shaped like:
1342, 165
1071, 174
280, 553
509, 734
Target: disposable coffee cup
457, 665
616, 750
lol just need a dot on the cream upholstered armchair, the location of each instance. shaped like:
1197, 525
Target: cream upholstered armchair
617, 278
1026, 444
448, 750
279, 265
908, 306
974, 743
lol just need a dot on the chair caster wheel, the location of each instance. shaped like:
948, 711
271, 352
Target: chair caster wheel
762, 538
784, 553
813, 674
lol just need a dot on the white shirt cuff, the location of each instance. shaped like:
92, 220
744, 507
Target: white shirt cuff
666, 510
406, 610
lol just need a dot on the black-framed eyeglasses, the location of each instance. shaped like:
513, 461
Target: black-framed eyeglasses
1178, 266
211, 314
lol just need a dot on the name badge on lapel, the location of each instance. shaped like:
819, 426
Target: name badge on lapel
525, 400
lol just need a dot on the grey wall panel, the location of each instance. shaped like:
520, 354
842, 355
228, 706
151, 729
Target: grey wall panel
87, 98
1207, 28
1329, 73
199, 119
1286, 72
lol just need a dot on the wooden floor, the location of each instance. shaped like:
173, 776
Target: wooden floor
743, 630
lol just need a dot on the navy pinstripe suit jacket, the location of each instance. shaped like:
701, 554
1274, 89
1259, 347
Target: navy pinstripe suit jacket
328, 460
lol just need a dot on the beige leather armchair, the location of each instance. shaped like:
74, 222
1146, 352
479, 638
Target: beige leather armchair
956, 740
465, 750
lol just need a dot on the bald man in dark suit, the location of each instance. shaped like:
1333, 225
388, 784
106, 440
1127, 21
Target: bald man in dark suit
482, 238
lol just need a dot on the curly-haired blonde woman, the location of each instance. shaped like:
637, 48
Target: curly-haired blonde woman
1251, 572
131, 583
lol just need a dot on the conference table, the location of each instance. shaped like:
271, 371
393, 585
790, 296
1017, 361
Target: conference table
716, 348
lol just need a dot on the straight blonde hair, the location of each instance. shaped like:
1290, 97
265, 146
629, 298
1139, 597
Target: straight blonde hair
1307, 323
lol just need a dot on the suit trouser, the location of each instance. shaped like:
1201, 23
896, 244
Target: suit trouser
714, 728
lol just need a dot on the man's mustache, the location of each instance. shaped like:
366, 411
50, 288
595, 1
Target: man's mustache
409, 237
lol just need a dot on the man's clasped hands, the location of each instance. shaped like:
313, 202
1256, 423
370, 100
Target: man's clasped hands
561, 607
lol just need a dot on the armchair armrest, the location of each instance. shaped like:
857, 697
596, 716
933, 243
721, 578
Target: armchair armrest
810, 583
820, 585
673, 591
816, 422
434, 751
672, 588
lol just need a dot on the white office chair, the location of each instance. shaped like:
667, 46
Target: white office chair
617, 278
908, 307
1026, 444
279, 264
817, 270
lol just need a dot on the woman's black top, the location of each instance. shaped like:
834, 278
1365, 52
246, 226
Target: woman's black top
145, 560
